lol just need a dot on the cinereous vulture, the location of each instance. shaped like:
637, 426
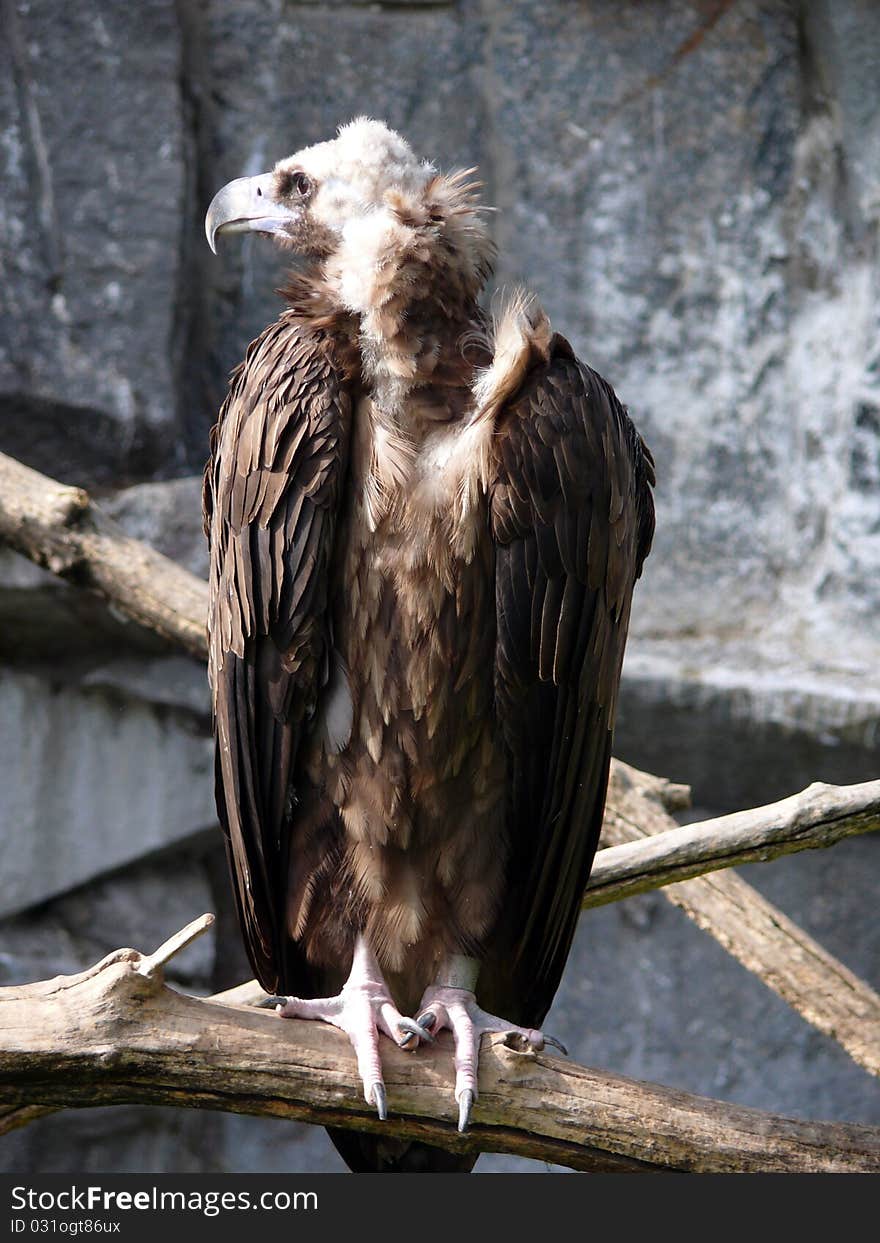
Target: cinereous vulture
425, 526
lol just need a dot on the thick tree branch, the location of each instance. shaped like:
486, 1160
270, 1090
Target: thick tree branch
116, 1034
821, 989
61, 529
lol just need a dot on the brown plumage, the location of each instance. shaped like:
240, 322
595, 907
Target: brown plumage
425, 532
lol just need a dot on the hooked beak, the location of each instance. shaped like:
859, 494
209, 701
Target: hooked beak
247, 204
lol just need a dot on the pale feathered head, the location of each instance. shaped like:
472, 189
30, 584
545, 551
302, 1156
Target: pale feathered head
365, 206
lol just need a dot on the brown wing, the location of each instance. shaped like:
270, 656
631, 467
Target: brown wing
573, 518
272, 484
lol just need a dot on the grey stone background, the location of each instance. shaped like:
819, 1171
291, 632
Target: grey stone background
693, 188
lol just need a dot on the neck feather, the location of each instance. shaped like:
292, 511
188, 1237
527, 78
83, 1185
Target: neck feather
411, 272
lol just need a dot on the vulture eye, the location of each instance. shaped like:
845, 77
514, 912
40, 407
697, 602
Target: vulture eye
294, 182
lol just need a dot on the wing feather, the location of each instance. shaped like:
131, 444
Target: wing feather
272, 488
572, 519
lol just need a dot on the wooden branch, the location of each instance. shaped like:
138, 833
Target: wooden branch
153, 963
116, 1034
12, 1117
817, 817
62, 530
821, 989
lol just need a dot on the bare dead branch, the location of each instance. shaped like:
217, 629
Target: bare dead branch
116, 1034
62, 530
813, 982
179, 941
817, 817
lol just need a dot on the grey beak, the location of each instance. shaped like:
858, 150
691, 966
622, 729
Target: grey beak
247, 205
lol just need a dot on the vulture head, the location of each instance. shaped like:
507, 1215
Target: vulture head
364, 207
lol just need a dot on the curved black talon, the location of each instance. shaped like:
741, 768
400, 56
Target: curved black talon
557, 1044
426, 1021
269, 1003
465, 1104
380, 1100
415, 1028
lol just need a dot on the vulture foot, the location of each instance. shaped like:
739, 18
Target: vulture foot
362, 1010
457, 1009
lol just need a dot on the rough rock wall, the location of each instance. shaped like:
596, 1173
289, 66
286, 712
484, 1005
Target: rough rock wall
693, 188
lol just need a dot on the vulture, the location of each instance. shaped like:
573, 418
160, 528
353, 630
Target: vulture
425, 525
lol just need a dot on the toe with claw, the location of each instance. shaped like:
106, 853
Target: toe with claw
465, 1105
362, 1010
457, 1010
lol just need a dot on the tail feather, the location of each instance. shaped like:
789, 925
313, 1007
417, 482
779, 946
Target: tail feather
374, 1154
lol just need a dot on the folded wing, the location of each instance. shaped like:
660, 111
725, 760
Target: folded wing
572, 518
272, 491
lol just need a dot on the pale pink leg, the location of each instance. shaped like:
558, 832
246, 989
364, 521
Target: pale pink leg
362, 1010
451, 1003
